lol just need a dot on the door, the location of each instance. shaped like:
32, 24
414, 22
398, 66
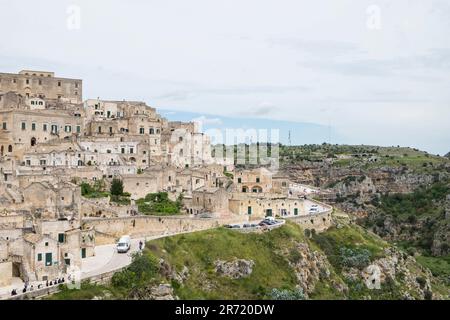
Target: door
83, 253
295, 211
48, 259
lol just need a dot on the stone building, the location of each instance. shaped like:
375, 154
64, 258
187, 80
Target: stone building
42, 84
51, 141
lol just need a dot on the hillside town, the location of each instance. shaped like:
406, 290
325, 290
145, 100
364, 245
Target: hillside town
60, 155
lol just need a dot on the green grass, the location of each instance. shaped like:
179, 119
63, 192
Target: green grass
274, 253
439, 266
198, 251
348, 236
87, 292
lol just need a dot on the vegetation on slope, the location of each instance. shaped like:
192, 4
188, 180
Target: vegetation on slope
159, 204
282, 258
94, 191
413, 218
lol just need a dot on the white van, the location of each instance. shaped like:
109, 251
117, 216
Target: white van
124, 244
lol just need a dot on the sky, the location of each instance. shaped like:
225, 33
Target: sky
347, 71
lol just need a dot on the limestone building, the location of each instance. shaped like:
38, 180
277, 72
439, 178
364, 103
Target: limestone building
43, 85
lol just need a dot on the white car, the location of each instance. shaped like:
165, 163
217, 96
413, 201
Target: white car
124, 244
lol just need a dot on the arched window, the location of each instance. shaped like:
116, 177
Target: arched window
33, 141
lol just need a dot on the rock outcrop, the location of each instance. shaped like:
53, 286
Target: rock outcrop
155, 292
236, 269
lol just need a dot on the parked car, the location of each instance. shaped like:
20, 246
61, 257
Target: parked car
124, 244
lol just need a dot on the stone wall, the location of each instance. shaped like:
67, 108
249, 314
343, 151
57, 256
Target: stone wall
5, 274
109, 230
318, 221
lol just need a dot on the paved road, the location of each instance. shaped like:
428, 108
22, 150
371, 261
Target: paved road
107, 259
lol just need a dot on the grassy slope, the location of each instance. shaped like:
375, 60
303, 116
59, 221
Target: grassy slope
198, 251
272, 253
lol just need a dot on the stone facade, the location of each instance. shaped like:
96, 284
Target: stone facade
52, 144
42, 84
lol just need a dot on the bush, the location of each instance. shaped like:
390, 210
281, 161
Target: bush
354, 258
116, 187
159, 203
296, 294
142, 269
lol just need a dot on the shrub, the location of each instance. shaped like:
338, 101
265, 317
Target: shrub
296, 294
142, 269
116, 187
354, 258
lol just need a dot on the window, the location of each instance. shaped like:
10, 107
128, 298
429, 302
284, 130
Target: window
43, 162
27, 81
39, 257
131, 150
40, 82
257, 180
61, 238
141, 130
68, 128
28, 162
99, 129
33, 126
59, 83
24, 125
239, 180
4, 125
48, 258
110, 129
152, 131
78, 129
122, 150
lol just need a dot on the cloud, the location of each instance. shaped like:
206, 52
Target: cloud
203, 120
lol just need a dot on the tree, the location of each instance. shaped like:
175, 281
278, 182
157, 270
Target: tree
116, 187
